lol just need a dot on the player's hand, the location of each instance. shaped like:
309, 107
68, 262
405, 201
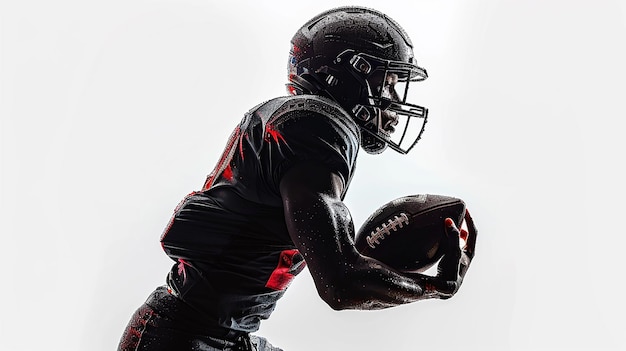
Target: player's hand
455, 262
448, 268
448, 276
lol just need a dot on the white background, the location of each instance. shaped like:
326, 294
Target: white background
111, 111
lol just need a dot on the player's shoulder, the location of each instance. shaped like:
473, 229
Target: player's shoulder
282, 108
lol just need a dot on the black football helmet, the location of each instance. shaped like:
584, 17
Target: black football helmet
352, 55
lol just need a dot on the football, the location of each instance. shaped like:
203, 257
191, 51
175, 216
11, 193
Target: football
406, 233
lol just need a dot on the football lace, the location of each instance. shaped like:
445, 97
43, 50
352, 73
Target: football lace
387, 228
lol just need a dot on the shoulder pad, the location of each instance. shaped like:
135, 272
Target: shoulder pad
274, 109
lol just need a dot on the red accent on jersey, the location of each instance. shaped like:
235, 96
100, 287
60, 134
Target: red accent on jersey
245, 135
281, 276
291, 90
224, 160
270, 131
181, 268
228, 173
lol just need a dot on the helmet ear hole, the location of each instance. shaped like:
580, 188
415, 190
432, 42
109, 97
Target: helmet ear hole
360, 64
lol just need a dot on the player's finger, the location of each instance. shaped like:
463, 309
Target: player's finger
452, 239
464, 264
452, 231
472, 235
463, 234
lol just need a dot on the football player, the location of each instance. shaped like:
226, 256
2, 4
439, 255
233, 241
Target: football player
274, 201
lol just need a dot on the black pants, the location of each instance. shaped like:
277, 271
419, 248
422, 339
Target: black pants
165, 323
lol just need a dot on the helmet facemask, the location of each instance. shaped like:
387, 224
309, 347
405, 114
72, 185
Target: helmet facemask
380, 107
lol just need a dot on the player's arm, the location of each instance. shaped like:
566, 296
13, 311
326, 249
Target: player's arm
322, 228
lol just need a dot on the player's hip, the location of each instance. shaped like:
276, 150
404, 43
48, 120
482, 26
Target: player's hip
164, 322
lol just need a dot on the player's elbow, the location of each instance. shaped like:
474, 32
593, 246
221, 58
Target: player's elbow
335, 297
346, 295
337, 304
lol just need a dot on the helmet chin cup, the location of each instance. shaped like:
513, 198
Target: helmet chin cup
371, 143
367, 117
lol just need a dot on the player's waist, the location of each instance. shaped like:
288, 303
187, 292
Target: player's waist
221, 301
167, 304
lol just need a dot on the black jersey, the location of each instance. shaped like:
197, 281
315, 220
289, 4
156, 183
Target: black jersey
234, 254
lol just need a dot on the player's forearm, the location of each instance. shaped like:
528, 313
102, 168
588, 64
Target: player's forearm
366, 284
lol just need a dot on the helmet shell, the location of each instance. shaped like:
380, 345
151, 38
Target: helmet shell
325, 36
